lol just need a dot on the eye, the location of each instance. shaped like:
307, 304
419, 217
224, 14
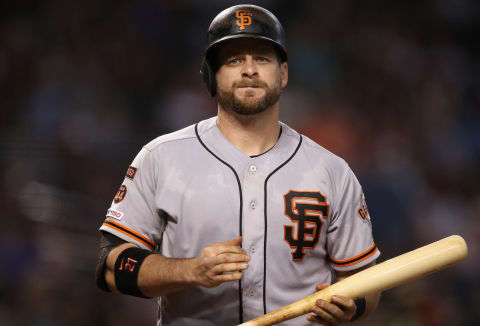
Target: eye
233, 61
262, 59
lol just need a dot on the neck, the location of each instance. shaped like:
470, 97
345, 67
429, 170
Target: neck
252, 134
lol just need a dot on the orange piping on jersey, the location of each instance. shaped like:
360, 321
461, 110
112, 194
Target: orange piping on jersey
130, 233
355, 260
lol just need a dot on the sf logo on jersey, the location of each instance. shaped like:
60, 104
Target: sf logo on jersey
305, 209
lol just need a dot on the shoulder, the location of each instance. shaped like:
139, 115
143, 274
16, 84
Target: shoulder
315, 153
321, 162
182, 137
321, 155
328, 165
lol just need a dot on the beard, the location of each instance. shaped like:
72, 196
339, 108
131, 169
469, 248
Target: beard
249, 105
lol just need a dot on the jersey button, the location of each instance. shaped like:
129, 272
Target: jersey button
253, 168
251, 292
253, 249
253, 204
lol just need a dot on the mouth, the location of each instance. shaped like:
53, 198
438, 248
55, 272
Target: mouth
248, 87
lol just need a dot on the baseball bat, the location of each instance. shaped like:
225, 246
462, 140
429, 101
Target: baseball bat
391, 273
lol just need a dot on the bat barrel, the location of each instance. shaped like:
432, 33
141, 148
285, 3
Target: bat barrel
396, 271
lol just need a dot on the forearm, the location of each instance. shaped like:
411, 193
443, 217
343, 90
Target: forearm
157, 276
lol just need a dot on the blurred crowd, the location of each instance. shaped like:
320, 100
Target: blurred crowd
392, 87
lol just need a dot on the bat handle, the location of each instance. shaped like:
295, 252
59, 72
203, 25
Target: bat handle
292, 310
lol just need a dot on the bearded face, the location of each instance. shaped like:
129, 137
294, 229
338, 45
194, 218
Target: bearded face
249, 104
250, 76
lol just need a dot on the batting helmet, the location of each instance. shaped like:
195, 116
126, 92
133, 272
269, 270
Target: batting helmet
236, 22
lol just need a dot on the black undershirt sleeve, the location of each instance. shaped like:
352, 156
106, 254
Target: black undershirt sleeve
108, 242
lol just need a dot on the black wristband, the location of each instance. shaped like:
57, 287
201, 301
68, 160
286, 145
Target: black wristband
126, 270
361, 304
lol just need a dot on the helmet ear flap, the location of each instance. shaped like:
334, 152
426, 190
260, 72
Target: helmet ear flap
208, 76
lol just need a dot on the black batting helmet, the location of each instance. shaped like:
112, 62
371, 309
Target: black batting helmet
236, 22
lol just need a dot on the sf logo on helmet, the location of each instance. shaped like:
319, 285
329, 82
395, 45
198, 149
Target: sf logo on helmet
244, 18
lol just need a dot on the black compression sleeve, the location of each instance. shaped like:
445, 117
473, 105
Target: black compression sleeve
108, 242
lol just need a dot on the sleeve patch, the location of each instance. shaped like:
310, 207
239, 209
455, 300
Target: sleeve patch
131, 172
121, 193
114, 214
363, 210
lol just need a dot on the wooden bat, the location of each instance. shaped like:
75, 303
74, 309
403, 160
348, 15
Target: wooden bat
396, 271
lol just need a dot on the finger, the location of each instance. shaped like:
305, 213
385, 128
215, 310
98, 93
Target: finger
331, 308
227, 258
327, 311
235, 242
222, 278
346, 304
322, 286
212, 262
228, 268
232, 258
220, 248
318, 320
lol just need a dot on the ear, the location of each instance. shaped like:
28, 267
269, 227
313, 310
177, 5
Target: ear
284, 73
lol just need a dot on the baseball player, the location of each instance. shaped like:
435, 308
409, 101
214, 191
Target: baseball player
238, 215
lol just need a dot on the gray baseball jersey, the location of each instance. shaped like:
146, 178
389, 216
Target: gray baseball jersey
299, 208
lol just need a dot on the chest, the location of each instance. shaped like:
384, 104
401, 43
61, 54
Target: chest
213, 202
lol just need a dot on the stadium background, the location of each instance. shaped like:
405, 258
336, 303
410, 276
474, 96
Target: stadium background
393, 87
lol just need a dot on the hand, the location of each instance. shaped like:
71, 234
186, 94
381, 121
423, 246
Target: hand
340, 310
220, 262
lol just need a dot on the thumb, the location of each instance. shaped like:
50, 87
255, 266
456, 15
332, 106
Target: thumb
322, 286
235, 242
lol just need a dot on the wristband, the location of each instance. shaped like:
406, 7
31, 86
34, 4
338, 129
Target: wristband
126, 270
361, 306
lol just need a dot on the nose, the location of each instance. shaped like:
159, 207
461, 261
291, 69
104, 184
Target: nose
249, 68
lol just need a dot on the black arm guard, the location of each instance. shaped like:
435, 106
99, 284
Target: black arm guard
108, 242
